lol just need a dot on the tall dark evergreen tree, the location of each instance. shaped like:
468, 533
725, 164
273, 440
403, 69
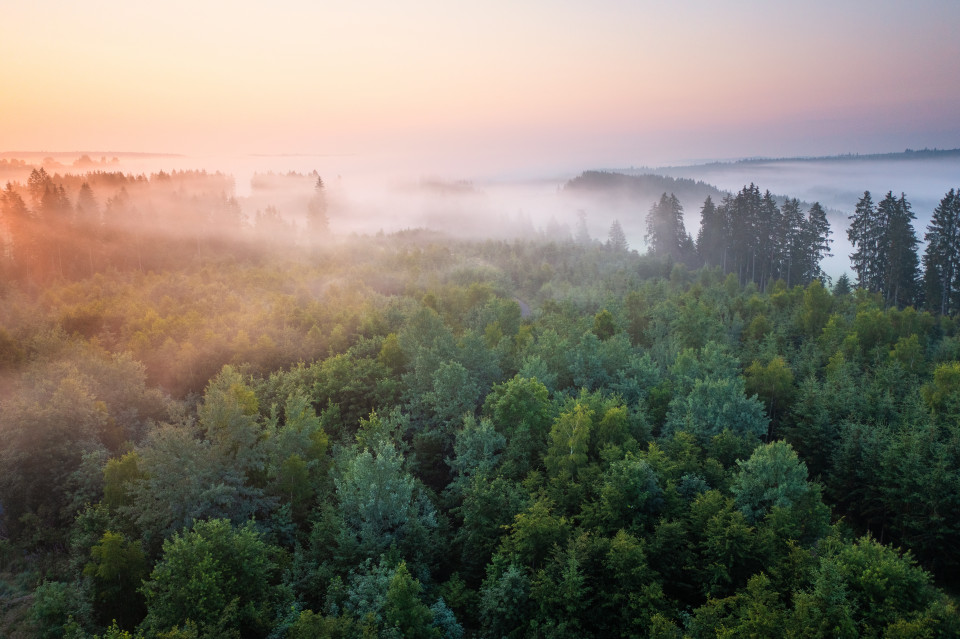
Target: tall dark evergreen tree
816, 232
666, 234
713, 237
900, 244
794, 256
765, 257
862, 235
941, 260
744, 229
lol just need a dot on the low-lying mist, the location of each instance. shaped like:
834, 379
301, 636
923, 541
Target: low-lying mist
269, 197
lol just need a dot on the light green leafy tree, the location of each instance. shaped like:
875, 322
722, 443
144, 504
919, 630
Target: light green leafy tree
215, 576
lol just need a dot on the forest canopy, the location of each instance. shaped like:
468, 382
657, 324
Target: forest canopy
223, 425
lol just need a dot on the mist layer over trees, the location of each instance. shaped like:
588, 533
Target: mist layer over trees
219, 423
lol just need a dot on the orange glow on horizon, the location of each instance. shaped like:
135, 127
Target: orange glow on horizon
242, 77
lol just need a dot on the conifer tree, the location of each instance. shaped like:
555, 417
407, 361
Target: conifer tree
816, 232
666, 234
793, 254
318, 224
714, 235
900, 244
617, 241
941, 260
860, 232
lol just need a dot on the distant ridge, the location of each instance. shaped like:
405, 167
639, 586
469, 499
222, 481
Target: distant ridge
644, 184
907, 154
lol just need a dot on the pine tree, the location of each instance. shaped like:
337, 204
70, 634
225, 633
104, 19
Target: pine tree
794, 254
860, 233
318, 224
714, 234
745, 216
617, 241
768, 245
900, 244
87, 209
666, 234
816, 231
941, 260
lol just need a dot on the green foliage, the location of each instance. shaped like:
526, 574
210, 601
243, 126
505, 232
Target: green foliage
713, 405
771, 383
569, 443
118, 474
436, 462
505, 600
603, 325
117, 568
58, 606
215, 576
381, 504
772, 477
404, 611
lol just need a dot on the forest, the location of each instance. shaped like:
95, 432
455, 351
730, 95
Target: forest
224, 423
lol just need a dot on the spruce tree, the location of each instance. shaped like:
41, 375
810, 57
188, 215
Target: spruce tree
617, 241
900, 243
713, 236
860, 234
816, 230
794, 255
941, 260
666, 234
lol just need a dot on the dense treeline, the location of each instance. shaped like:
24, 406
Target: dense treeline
73, 226
406, 435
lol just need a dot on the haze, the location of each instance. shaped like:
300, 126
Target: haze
497, 88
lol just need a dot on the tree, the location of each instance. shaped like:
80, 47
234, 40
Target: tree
666, 235
863, 235
117, 568
318, 224
569, 442
713, 405
885, 260
186, 480
381, 504
713, 237
816, 232
404, 609
520, 409
900, 242
630, 493
505, 605
218, 577
773, 477
941, 259
795, 253
603, 325
772, 383
617, 240
38, 183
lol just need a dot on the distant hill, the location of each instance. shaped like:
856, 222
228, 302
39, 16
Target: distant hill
908, 154
643, 189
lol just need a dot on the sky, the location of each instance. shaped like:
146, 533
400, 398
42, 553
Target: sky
471, 86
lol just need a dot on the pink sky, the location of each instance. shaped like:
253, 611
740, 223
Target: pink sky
559, 84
